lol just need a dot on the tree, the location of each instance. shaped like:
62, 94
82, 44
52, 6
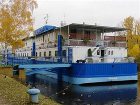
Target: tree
133, 36
138, 27
129, 24
135, 51
16, 21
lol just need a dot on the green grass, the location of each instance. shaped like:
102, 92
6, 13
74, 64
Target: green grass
15, 93
1, 65
0, 57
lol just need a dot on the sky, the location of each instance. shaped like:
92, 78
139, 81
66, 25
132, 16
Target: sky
100, 12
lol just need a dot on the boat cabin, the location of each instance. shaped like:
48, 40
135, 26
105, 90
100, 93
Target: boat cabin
105, 44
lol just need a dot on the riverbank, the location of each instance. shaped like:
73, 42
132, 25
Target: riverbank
13, 92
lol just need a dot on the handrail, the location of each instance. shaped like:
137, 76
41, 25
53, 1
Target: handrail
105, 43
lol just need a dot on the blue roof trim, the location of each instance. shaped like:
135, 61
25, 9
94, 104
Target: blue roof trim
43, 29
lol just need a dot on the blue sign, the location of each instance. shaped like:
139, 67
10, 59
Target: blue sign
43, 29
70, 53
60, 48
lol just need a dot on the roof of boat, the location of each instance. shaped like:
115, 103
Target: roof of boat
104, 29
44, 29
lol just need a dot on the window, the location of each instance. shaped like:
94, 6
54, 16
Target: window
87, 35
49, 53
98, 52
44, 54
36, 54
56, 53
108, 52
40, 54
87, 32
111, 52
105, 52
73, 31
64, 53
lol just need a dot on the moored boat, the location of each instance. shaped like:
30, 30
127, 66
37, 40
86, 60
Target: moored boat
96, 53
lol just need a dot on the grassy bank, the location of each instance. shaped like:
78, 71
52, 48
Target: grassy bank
15, 93
6, 71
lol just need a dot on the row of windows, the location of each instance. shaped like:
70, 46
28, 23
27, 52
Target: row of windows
87, 32
24, 54
105, 52
39, 54
50, 53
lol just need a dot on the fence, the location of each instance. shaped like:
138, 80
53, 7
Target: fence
13, 60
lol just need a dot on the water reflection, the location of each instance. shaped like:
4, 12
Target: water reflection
68, 94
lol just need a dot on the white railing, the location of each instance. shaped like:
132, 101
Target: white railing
73, 42
110, 60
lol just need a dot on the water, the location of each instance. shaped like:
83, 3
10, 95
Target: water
68, 94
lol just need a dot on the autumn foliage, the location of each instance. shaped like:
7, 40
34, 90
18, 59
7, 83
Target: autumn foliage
16, 21
133, 36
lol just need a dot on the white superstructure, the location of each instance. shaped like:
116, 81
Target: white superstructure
79, 38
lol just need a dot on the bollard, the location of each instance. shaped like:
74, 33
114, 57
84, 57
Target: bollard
33, 95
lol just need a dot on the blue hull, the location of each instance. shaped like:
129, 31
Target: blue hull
80, 73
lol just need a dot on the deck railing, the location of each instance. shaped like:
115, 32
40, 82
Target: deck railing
82, 36
13, 60
104, 43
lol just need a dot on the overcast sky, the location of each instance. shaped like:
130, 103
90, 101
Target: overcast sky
101, 12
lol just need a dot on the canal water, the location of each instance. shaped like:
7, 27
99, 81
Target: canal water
68, 94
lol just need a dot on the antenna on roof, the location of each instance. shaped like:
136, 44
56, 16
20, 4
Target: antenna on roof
46, 18
63, 23
64, 19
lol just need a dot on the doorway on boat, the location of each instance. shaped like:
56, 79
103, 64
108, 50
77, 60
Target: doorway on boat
102, 53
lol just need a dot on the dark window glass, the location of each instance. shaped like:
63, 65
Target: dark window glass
87, 35
73, 31
44, 54
64, 53
87, 32
98, 52
40, 54
56, 53
108, 52
111, 52
49, 53
36, 53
